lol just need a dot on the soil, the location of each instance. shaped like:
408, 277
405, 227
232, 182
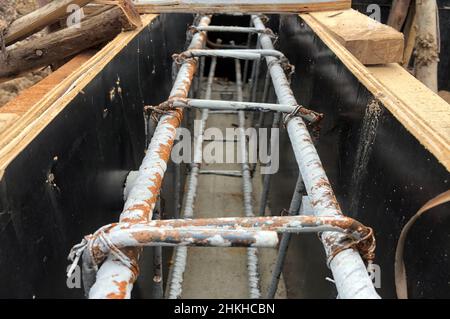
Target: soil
10, 89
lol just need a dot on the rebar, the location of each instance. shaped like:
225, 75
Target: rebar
309, 115
237, 29
280, 224
222, 112
255, 73
158, 285
110, 255
248, 44
267, 177
264, 98
221, 172
224, 46
143, 196
349, 271
243, 54
285, 239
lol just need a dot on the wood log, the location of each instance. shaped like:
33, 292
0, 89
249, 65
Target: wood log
398, 13
368, 40
39, 19
43, 51
426, 54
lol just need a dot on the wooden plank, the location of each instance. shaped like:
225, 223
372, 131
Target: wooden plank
38, 19
6, 119
244, 6
38, 115
422, 112
368, 40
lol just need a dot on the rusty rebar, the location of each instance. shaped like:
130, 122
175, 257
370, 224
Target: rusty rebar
115, 278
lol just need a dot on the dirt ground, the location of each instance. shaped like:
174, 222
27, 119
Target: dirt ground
10, 89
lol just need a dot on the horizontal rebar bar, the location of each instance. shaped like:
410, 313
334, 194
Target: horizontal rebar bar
294, 208
197, 231
224, 46
310, 116
349, 271
219, 140
221, 172
243, 54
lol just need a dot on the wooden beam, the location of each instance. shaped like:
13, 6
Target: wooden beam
36, 115
244, 6
422, 112
67, 42
368, 40
39, 19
